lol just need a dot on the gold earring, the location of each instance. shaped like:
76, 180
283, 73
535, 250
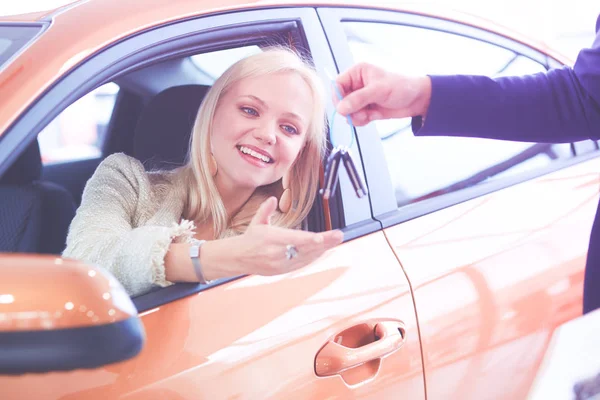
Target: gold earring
213, 168
285, 201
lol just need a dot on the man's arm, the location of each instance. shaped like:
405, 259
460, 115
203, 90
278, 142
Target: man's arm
562, 105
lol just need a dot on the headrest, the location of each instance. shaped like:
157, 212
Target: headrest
26, 169
162, 134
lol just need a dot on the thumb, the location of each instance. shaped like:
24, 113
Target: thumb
264, 212
358, 99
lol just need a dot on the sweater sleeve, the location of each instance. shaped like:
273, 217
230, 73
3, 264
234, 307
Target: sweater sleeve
103, 231
562, 105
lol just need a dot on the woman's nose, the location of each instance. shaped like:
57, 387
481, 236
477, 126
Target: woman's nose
266, 134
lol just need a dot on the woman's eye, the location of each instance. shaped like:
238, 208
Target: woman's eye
289, 129
250, 111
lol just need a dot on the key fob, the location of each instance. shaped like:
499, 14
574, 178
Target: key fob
355, 178
331, 173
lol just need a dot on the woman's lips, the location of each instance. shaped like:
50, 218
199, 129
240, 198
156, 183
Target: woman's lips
256, 152
253, 160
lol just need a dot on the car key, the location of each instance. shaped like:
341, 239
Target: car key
331, 173
355, 178
341, 154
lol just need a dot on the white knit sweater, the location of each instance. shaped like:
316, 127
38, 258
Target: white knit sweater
126, 222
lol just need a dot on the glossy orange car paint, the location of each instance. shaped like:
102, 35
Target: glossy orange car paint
192, 347
57, 308
461, 335
79, 30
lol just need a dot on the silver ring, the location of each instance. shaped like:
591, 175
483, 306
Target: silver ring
291, 251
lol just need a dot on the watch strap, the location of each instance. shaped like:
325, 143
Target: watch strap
195, 247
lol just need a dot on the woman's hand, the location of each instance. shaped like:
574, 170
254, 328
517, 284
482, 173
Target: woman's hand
371, 93
262, 249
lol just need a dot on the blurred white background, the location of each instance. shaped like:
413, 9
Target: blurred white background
566, 25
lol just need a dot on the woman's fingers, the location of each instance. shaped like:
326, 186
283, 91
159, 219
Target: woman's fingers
332, 238
302, 239
309, 252
268, 253
264, 212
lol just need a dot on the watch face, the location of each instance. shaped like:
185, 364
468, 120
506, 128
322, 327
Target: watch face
195, 247
194, 250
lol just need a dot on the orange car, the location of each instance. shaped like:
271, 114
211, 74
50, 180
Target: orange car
454, 272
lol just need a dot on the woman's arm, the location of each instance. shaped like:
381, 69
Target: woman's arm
215, 259
261, 250
103, 231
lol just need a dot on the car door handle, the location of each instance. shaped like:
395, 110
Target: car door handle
334, 358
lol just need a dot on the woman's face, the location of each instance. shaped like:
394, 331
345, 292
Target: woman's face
259, 128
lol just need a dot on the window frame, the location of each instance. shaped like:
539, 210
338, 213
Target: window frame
177, 39
383, 199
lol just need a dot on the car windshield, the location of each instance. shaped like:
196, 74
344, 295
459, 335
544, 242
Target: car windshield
14, 38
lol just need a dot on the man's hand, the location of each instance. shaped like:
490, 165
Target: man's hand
370, 93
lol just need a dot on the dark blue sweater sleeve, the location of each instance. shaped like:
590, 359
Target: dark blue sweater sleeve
561, 105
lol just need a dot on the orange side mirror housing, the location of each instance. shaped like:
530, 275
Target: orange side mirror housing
60, 315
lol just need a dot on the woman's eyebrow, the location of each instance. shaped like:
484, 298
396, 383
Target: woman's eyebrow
294, 116
258, 99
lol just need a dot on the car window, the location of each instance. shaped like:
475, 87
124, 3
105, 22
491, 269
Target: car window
214, 63
79, 131
423, 167
14, 38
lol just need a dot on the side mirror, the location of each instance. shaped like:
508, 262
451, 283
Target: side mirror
60, 315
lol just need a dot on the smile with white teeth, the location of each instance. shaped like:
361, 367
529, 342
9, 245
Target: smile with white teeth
254, 154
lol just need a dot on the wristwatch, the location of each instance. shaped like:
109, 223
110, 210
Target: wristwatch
195, 246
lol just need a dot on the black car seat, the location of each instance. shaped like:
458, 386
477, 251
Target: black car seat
34, 215
162, 134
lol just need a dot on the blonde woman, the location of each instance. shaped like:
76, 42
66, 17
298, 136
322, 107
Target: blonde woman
235, 206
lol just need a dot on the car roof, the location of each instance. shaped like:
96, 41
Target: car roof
77, 30
111, 10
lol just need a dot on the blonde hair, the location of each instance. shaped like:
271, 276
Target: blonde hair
203, 199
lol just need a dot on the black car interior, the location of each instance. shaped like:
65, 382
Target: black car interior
35, 213
161, 137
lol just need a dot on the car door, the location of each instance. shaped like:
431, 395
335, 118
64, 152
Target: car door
343, 327
492, 235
